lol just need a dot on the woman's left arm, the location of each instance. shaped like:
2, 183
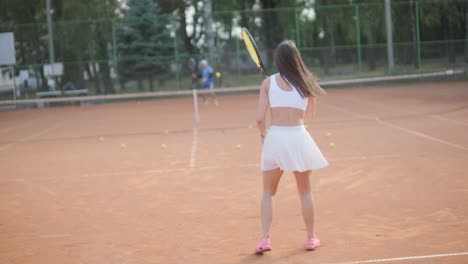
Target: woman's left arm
310, 111
263, 105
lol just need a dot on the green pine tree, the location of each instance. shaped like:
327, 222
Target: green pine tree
144, 44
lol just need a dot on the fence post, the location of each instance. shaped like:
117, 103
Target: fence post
298, 28
114, 50
237, 57
418, 41
50, 36
114, 43
176, 57
388, 22
358, 36
12, 69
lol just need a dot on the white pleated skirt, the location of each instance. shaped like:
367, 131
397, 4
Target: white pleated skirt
291, 148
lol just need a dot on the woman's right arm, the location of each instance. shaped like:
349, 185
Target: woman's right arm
263, 105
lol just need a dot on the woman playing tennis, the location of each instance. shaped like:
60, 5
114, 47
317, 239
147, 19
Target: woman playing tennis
287, 146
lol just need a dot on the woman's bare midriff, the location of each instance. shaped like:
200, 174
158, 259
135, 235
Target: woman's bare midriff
287, 116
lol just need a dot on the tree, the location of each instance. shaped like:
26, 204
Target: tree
444, 21
144, 43
466, 32
71, 39
84, 37
373, 16
186, 38
30, 48
337, 28
272, 31
179, 8
208, 21
412, 54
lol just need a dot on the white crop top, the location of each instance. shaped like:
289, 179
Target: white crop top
281, 98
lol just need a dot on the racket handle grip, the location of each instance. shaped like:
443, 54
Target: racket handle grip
264, 73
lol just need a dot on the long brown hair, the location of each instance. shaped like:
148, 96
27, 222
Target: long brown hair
291, 67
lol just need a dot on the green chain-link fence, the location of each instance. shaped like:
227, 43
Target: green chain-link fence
336, 41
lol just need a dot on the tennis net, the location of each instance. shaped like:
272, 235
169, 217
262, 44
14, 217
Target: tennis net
448, 75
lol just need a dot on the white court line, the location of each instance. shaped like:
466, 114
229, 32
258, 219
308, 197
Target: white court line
406, 258
104, 174
339, 109
384, 156
12, 128
422, 135
208, 168
156, 171
55, 235
19, 126
4, 147
217, 167
340, 159
40, 133
438, 117
407, 130
152, 171
450, 120
193, 153
183, 169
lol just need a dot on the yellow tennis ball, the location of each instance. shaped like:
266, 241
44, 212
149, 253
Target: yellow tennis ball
163, 146
332, 145
218, 74
328, 134
238, 146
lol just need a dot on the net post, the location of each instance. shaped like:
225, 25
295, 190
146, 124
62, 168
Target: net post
418, 41
195, 107
358, 36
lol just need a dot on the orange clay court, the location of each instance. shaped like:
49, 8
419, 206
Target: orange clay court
133, 182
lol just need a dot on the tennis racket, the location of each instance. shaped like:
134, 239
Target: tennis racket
253, 50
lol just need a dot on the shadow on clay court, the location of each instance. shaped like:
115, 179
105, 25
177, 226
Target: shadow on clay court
271, 257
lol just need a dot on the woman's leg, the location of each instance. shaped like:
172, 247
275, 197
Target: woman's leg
303, 187
271, 179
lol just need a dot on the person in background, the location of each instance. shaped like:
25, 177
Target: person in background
206, 77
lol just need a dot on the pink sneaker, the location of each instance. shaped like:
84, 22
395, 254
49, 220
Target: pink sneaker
312, 243
263, 245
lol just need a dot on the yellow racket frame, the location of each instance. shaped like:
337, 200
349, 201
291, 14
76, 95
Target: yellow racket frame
252, 49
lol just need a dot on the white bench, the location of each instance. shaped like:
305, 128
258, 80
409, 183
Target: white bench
58, 94
76, 92
48, 94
